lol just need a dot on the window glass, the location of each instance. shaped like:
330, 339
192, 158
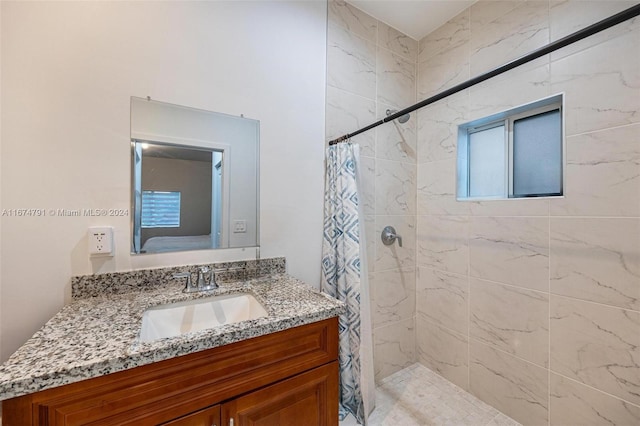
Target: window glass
487, 162
537, 155
160, 209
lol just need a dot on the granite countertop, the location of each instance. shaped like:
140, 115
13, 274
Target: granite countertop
98, 335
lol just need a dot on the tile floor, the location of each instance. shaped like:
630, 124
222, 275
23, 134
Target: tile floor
416, 396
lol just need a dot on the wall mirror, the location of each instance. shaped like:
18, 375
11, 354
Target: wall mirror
194, 179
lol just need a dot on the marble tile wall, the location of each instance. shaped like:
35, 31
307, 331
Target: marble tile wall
533, 305
371, 67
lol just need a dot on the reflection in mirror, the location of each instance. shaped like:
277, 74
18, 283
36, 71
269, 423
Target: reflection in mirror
173, 178
182, 170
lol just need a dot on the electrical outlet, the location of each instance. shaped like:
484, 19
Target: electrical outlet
239, 226
100, 241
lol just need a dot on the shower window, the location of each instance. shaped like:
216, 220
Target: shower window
514, 154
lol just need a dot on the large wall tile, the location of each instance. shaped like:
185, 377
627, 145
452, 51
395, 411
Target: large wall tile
347, 112
438, 127
353, 19
602, 174
394, 348
611, 68
516, 33
597, 260
597, 345
370, 237
569, 16
397, 42
372, 294
486, 11
436, 189
448, 36
395, 296
526, 84
443, 351
396, 78
572, 403
442, 298
394, 256
368, 188
511, 319
515, 387
442, 71
351, 62
511, 207
395, 188
443, 243
511, 250
395, 140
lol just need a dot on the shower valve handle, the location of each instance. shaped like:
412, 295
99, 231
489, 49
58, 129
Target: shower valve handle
389, 236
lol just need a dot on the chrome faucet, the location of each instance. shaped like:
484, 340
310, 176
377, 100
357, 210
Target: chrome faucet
206, 280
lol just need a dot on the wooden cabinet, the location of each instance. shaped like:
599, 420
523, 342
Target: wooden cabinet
291, 374
308, 399
207, 417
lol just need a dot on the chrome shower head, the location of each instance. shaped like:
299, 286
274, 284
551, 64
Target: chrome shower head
403, 119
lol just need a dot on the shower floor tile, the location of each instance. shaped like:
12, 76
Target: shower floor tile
416, 396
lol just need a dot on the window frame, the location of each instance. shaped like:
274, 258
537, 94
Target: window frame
507, 119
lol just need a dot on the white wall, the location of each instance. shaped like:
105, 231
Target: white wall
68, 70
1, 203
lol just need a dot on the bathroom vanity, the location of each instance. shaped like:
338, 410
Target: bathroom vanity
88, 365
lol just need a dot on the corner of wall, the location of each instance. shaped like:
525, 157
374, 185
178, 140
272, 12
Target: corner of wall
1, 203
359, 91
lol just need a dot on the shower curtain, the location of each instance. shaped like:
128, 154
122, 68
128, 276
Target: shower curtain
344, 276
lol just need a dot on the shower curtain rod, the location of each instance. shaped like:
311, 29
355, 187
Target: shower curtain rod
609, 22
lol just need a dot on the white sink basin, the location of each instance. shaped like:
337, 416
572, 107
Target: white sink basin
193, 315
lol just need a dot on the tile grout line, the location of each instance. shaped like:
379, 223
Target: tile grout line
596, 389
595, 303
604, 129
529, 289
509, 353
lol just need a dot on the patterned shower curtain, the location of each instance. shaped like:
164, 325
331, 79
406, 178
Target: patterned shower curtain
344, 276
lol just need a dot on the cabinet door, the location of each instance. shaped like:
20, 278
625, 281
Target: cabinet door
207, 417
308, 399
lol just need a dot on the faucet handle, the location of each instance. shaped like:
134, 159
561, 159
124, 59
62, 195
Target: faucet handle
204, 276
186, 275
389, 236
207, 278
